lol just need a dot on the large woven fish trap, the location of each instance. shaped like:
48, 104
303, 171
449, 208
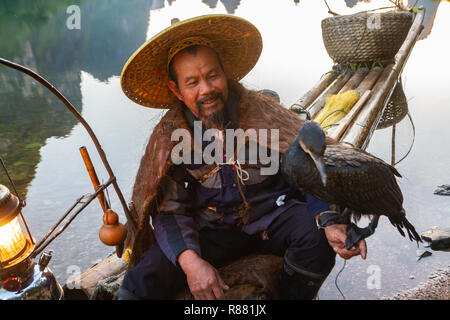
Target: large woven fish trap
365, 36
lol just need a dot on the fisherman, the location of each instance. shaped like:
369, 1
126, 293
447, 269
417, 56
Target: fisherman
208, 214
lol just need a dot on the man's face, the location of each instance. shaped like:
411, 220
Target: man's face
202, 84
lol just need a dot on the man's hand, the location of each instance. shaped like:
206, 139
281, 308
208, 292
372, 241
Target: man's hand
336, 235
203, 279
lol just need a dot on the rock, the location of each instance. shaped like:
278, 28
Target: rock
435, 288
423, 254
439, 238
443, 190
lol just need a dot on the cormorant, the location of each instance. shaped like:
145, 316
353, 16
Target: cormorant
349, 177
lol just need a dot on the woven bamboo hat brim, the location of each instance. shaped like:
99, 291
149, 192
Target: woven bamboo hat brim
144, 77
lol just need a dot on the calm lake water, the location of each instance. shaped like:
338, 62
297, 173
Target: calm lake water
39, 138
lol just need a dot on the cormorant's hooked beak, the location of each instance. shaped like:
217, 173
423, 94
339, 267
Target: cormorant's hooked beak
318, 160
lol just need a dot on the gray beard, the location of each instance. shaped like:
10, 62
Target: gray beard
216, 119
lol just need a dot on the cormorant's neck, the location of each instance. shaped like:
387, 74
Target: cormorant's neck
308, 166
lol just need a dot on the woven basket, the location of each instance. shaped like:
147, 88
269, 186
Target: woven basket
395, 110
365, 37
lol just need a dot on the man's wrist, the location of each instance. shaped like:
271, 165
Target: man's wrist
187, 258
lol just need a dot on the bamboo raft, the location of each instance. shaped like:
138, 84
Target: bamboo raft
256, 276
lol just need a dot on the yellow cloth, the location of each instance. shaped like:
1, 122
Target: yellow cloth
336, 107
127, 255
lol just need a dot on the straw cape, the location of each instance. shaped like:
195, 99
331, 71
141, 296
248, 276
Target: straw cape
237, 42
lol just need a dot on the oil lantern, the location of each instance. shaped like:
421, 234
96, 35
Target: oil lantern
20, 277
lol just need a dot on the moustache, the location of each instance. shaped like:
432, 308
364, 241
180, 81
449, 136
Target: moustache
213, 96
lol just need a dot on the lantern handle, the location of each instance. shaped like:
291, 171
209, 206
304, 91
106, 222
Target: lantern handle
21, 202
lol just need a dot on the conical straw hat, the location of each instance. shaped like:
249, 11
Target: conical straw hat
144, 77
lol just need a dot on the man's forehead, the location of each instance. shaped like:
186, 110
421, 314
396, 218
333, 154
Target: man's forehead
185, 57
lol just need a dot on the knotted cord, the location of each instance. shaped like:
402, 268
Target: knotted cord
239, 171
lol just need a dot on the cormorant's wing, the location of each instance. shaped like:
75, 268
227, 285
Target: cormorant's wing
362, 182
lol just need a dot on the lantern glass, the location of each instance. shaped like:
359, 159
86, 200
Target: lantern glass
12, 241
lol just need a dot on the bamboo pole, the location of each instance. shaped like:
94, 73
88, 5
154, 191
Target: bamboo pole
337, 84
355, 80
365, 86
94, 178
370, 80
365, 123
305, 101
360, 130
393, 146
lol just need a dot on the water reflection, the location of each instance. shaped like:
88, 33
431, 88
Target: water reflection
29, 113
230, 5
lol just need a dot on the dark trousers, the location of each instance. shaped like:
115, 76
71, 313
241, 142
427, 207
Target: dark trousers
293, 235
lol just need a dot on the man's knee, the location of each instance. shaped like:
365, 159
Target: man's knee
307, 246
154, 277
312, 252
306, 265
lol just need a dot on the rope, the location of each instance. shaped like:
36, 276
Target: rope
324, 74
301, 110
330, 126
108, 199
239, 171
335, 280
329, 10
381, 8
412, 142
242, 174
11, 181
